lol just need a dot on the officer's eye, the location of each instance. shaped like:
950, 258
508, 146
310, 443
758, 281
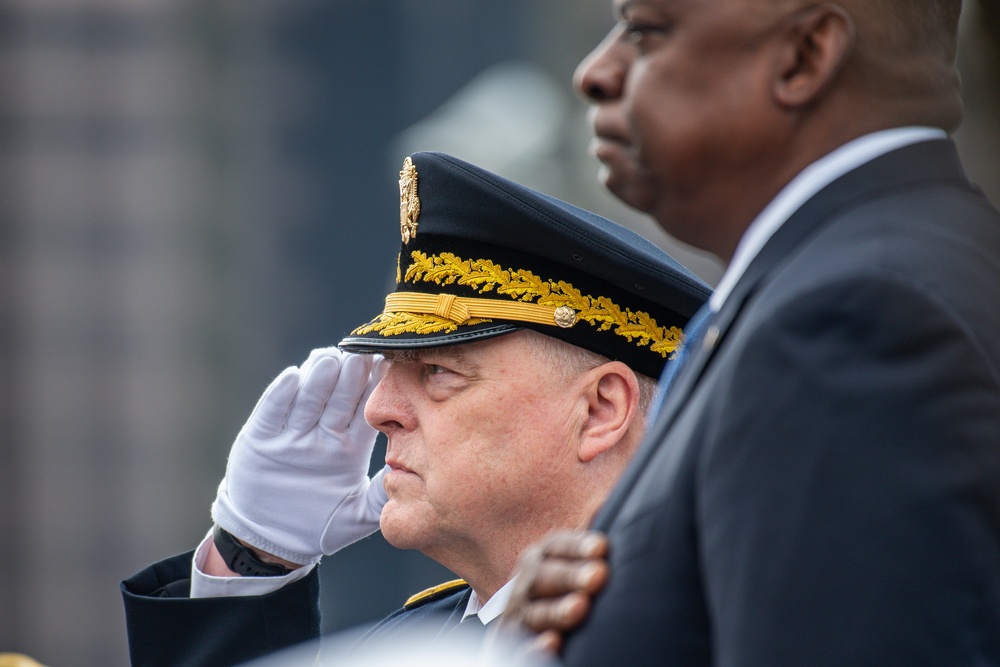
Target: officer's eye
635, 32
639, 33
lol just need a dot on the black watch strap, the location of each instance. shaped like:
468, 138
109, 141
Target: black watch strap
241, 559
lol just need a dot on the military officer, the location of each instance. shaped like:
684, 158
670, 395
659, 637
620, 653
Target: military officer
511, 370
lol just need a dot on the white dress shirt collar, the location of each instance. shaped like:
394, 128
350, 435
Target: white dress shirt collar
807, 183
493, 607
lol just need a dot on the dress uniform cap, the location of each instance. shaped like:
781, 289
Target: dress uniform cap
482, 256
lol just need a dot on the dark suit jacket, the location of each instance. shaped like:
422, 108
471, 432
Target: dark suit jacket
166, 628
822, 486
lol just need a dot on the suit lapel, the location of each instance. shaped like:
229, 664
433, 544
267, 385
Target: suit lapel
931, 160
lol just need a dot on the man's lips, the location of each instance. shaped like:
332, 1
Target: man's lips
608, 144
396, 478
608, 127
606, 148
396, 466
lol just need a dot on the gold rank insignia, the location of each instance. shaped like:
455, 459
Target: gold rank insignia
435, 593
409, 202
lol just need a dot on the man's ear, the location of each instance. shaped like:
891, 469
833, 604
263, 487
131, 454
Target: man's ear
612, 406
816, 44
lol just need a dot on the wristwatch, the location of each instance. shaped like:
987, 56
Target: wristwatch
241, 559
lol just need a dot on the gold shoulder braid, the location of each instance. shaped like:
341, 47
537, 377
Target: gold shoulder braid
534, 300
434, 592
17, 660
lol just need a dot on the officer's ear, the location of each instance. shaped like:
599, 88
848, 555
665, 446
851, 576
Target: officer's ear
612, 395
813, 49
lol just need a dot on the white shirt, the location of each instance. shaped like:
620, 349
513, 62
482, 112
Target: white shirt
807, 183
493, 607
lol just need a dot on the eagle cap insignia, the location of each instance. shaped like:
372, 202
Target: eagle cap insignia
409, 202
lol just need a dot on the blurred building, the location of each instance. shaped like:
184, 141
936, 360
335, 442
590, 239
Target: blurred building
195, 193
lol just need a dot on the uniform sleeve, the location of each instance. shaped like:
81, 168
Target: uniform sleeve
166, 627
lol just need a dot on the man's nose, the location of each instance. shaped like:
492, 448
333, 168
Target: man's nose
601, 75
388, 407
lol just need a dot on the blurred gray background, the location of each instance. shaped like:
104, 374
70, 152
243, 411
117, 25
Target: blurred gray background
194, 194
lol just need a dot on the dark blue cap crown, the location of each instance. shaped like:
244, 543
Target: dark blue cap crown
483, 256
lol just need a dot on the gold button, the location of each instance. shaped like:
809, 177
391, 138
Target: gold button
565, 316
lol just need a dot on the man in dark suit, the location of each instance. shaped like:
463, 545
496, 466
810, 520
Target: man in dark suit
521, 347
822, 484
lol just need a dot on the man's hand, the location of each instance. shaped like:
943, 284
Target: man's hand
296, 484
556, 580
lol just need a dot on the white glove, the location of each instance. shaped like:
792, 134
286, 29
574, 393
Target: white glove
296, 484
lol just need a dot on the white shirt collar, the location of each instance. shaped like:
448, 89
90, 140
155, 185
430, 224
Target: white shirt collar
493, 607
807, 183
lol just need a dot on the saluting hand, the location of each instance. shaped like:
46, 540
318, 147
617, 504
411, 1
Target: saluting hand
296, 483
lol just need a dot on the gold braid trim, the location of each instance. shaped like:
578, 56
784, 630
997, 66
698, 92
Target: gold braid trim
462, 309
393, 324
486, 276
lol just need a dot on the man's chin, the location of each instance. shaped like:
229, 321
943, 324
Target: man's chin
623, 178
398, 540
627, 191
397, 530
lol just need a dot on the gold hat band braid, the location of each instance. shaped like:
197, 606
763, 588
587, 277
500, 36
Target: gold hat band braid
563, 305
461, 309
